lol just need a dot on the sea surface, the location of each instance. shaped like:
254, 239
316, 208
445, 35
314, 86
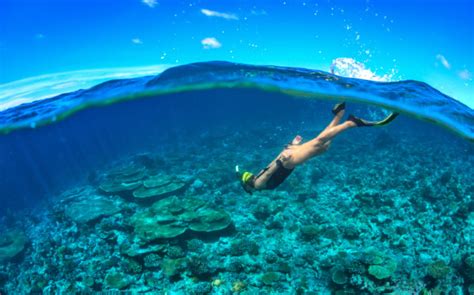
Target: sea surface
130, 185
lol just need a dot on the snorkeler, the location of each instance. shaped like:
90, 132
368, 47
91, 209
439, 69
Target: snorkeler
296, 152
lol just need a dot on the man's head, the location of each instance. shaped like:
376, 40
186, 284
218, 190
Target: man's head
247, 180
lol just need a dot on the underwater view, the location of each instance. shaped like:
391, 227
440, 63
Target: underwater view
236, 147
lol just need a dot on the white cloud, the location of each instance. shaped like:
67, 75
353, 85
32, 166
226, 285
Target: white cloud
150, 3
443, 61
39, 36
137, 41
210, 42
208, 12
465, 74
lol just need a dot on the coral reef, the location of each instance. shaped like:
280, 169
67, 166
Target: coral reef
91, 208
391, 220
171, 217
156, 187
438, 270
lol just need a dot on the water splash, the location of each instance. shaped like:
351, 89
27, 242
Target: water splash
350, 68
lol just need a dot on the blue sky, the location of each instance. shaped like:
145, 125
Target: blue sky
430, 41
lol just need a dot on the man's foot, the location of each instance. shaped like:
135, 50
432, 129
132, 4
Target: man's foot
364, 123
338, 108
360, 122
296, 140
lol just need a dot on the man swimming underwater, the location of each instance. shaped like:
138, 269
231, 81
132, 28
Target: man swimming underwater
296, 152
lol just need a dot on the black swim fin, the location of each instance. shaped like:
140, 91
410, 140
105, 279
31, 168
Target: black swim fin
338, 107
364, 123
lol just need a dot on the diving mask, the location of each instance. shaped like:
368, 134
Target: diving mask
246, 180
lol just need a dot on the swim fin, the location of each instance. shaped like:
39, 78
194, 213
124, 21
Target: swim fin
338, 107
364, 123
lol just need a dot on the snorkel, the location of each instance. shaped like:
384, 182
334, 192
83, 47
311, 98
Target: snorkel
245, 179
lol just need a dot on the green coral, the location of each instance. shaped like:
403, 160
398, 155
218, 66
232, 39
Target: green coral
62, 252
150, 225
209, 220
134, 250
39, 283
89, 281
469, 268
310, 232
283, 266
157, 181
112, 186
12, 243
133, 266
172, 267
438, 269
355, 266
91, 209
339, 276
171, 217
270, 277
175, 252
330, 232
380, 265
116, 280
373, 257
346, 292
469, 262
152, 260
144, 193
153, 280
380, 272
123, 179
127, 173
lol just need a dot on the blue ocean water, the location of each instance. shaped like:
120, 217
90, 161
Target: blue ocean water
140, 193
412, 97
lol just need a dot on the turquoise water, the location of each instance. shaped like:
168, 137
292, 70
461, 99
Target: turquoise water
140, 194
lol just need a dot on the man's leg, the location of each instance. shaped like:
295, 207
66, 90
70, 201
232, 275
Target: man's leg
338, 111
330, 133
335, 121
317, 145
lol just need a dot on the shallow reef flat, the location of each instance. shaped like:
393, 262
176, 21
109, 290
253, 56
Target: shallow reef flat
387, 215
